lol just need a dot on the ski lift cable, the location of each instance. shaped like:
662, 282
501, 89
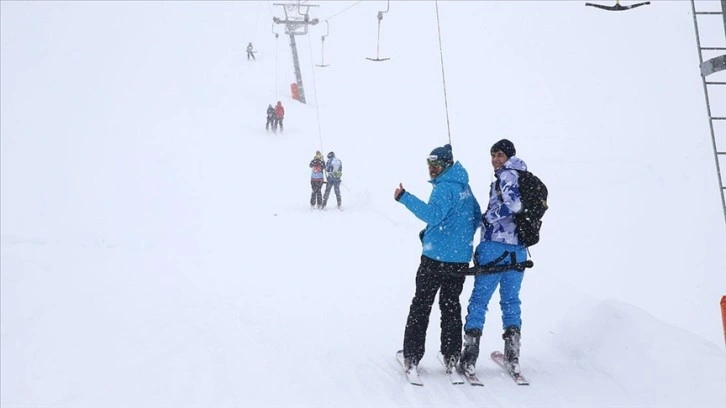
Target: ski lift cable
443, 75
344, 10
315, 92
257, 19
277, 63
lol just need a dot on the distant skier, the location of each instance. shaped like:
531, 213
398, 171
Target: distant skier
317, 164
334, 171
279, 116
270, 118
250, 52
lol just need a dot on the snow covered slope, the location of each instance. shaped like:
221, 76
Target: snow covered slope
158, 249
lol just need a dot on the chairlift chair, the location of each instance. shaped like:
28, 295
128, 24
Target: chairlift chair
378, 43
322, 58
617, 6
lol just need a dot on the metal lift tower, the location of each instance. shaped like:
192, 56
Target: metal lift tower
709, 67
296, 22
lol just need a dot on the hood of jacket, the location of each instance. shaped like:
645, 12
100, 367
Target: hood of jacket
456, 173
514, 163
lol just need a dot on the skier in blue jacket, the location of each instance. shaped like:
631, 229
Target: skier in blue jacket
452, 216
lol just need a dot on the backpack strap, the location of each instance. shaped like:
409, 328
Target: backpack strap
499, 190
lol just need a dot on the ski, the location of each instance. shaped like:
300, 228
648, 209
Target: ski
453, 375
411, 375
471, 377
498, 358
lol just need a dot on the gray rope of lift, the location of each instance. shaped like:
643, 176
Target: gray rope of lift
315, 92
342, 11
443, 75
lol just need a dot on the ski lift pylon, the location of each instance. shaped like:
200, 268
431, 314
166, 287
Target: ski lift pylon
617, 6
378, 43
322, 48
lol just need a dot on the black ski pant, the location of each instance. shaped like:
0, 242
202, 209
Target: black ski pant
332, 183
278, 123
435, 276
270, 122
251, 54
316, 198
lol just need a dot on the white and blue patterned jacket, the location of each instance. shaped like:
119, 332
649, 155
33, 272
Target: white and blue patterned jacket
499, 216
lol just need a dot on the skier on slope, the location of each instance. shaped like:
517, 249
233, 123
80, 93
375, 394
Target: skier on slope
250, 52
334, 172
316, 180
279, 116
499, 240
452, 216
270, 117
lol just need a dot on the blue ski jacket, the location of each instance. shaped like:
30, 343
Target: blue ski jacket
452, 216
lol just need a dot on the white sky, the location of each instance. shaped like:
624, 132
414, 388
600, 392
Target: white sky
158, 250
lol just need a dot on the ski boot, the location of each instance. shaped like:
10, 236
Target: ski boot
469, 355
410, 364
451, 363
512, 336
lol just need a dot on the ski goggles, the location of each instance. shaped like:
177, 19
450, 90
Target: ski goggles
433, 160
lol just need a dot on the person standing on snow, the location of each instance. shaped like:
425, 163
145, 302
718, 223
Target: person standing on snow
279, 116
334, 172
498, 241
316, 180
250, 52
270, 117
452, 216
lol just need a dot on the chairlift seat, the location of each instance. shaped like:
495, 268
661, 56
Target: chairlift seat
617, 6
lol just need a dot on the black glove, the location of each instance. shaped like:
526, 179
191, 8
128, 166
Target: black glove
421, 234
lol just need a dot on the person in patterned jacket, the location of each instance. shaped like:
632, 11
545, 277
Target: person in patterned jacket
499, 244
317, 178
334, 172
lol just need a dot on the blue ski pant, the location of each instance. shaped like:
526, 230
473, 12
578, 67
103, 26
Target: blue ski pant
332, 183
509, 283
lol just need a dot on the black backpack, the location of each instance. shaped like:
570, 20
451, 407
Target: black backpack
533, 194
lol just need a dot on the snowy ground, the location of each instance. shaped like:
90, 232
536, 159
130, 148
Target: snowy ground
158, 249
